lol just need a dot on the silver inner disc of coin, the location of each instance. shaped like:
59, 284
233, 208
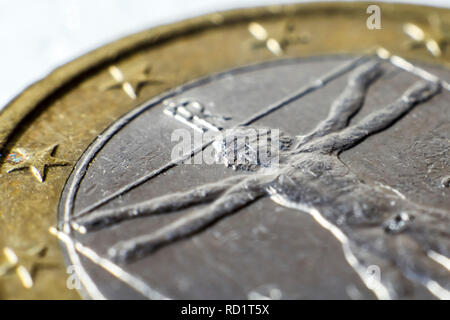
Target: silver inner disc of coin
356, 205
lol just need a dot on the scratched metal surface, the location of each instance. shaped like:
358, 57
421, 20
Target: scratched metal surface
264, 248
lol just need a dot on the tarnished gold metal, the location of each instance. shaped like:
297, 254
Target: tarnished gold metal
76, 102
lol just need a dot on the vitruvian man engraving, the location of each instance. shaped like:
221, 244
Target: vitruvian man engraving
375, 223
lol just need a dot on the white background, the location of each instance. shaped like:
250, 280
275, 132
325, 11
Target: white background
36, 36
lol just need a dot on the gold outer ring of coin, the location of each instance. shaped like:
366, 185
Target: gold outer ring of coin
49, 125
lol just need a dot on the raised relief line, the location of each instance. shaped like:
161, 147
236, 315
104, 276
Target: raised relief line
409, 67
314, 85
398, 193
109, 266
437, 290
439, 258
81, 273
377, 287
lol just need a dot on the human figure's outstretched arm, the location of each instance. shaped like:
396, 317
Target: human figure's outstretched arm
376, 121
235, 198
349, 101
172, 202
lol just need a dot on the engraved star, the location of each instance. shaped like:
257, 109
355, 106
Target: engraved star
277, 45
35, 160
435, 42
23, 264
129, 84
